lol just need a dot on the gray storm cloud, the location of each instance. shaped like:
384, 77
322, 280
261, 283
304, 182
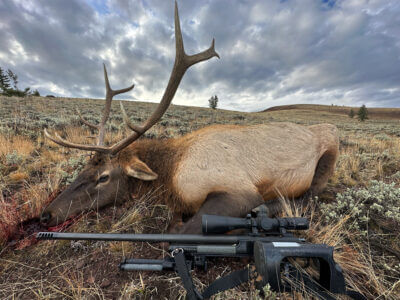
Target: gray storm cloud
272, 52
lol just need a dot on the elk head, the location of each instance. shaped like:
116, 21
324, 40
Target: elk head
105, 180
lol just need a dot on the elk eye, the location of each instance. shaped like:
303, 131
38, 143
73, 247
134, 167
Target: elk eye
103, 178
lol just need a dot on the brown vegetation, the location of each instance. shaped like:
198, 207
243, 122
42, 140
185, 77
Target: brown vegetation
54, 269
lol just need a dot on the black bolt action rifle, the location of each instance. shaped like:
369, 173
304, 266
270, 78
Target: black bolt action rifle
267, 240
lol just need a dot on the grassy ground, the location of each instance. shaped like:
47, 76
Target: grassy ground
358, 213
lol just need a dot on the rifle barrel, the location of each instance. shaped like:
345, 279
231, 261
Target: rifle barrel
158, 238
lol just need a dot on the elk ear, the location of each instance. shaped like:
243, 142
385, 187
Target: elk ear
138, 169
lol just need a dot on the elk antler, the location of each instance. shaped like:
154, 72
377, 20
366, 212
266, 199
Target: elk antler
110, 93
182, 63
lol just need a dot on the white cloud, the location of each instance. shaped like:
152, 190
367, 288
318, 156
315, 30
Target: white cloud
345, 52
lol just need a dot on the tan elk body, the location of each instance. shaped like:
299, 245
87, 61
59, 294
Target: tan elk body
267, 160
222, 169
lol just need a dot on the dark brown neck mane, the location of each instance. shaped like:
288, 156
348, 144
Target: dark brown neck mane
162, 157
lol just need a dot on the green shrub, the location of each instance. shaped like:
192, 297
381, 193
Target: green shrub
14, 158
379, 200
73, 166
382, 137
396, 175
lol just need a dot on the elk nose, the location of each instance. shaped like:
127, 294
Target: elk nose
45, 217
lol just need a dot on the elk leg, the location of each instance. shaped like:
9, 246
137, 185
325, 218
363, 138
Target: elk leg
323, 171
176, 222
223, 204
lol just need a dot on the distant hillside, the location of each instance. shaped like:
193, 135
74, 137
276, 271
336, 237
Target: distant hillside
381, 113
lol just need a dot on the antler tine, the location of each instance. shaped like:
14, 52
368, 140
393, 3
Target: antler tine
128, 122
110, 93
179, 47
206, 54
85, 121
62, 142
182, 63
110, 90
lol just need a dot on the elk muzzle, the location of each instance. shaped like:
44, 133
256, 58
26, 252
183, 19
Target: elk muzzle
45, 217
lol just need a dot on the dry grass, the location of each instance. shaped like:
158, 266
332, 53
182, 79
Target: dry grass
33, 170
19, 144
360, 270
18, 176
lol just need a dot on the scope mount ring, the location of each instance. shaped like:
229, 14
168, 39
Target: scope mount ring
176, 251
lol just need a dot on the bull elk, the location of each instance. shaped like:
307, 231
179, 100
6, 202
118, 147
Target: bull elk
222, 169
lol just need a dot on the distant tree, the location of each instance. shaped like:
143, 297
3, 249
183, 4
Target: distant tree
213, 102
36, 93
13, 77
18, 93
351, 113
362, 113
4, 81
6, 78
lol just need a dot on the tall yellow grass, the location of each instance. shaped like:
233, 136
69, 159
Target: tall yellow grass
22, 145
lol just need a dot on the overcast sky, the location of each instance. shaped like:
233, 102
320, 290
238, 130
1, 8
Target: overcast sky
272, 52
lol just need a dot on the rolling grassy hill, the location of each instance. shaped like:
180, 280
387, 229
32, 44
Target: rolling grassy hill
374, 112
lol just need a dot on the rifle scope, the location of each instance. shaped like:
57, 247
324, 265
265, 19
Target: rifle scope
212, 224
